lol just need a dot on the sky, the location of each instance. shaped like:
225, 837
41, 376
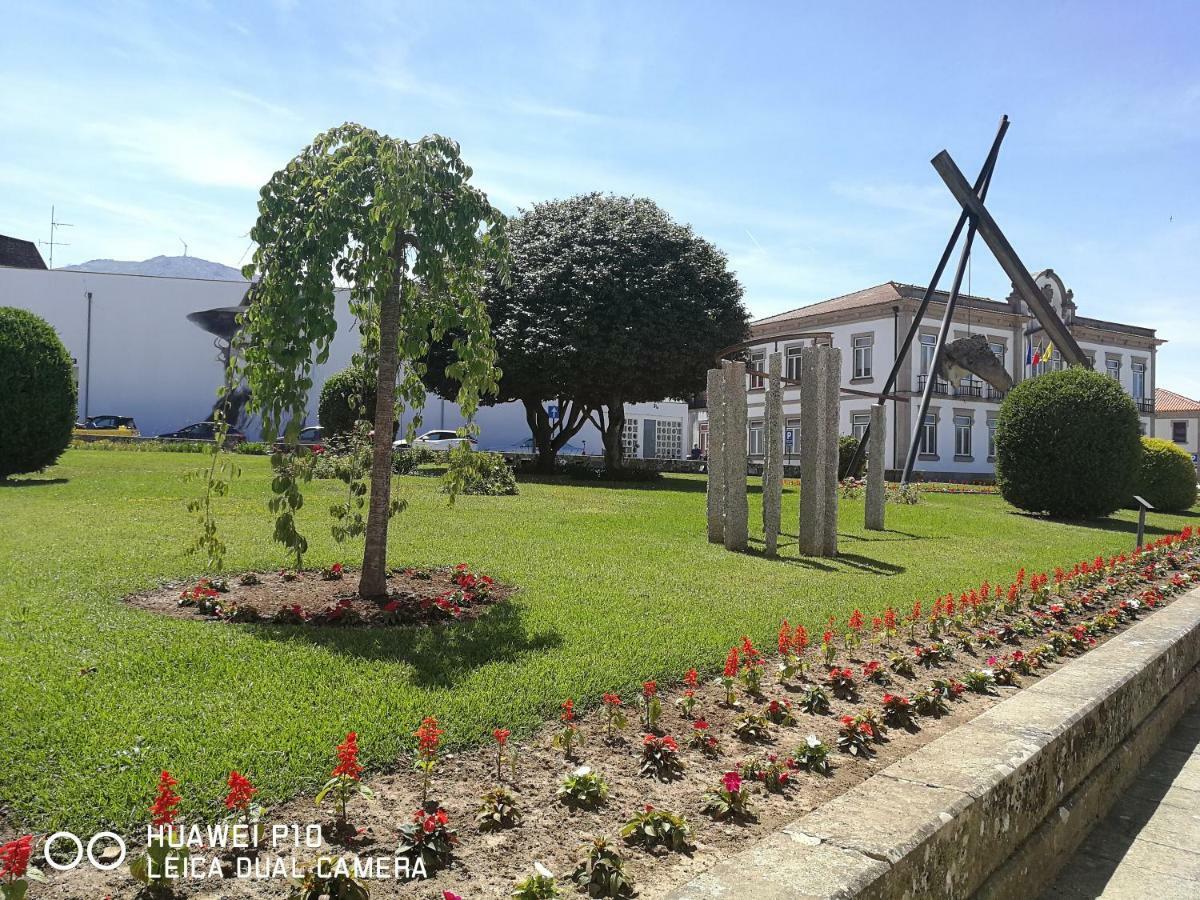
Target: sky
794, 136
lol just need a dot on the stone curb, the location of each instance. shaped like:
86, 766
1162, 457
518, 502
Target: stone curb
939, 822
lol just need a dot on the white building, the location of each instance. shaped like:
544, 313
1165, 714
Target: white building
138, 355
1177, 419
957, 438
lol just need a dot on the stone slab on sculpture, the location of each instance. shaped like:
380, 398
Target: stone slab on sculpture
772, 481
820, 379
716, 456
876, 488
737, 508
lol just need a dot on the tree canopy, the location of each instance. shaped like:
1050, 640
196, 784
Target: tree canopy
609, 302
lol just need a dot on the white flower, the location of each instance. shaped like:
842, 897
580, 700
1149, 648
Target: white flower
542, 870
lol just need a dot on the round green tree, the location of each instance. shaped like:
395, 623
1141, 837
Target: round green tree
347, 398
1167, 476
37, 393
1068, 444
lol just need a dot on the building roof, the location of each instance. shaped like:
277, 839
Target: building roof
1169, 402
20, 254
888, 292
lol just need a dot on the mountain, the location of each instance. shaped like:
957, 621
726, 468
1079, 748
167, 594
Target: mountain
163, 266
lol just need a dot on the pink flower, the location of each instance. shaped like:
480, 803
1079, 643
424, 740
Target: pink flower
732, 782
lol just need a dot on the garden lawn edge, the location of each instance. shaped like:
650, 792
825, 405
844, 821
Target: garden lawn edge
942, 820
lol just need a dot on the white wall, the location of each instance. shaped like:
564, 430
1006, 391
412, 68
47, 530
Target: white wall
148, 361
1164, 428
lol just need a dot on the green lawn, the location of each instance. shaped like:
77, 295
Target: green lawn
617, 585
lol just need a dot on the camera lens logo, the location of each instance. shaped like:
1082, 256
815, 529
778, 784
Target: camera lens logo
66, 837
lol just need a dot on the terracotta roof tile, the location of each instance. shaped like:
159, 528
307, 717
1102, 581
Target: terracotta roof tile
1169, 402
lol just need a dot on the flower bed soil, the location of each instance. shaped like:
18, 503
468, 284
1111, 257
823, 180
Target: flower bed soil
486, 865
328, 598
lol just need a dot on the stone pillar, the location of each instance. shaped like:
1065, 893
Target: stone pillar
820, 380
876, 464
772, 480
737, 510
716, 456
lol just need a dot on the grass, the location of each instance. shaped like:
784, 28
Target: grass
618, 584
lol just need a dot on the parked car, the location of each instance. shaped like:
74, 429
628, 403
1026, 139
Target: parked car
311, 436
107, 426
435, 440
203, 431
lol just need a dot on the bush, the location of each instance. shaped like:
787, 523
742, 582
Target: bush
1167, 477
479, 472
347, 398
38, 395
1067, 444
846, 445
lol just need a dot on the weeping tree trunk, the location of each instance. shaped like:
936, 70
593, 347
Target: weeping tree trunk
547, 438
373, 582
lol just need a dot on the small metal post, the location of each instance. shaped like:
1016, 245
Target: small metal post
1143, 506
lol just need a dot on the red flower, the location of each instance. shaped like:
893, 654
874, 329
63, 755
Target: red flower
700, 725
14, 857
336, 569
429, 737
785, 637
166, 801
240, 791
827, 637
649, 689
568, 710
856, 620
347, 753
691, 678
889, 619
800, 638
613, 700
501, 735
732, 782
731, 663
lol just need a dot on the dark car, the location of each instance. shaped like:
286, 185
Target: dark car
203, 431
106, 426
311, 436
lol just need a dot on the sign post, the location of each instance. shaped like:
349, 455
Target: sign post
1143, 505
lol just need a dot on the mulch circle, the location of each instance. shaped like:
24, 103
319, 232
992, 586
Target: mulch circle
329, 598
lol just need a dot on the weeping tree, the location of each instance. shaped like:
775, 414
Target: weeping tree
401, 226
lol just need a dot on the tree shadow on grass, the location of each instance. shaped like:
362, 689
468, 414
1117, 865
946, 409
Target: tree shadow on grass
1118, 525
30, 482
440, 655
834, 564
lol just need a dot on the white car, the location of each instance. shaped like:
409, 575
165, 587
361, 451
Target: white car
436, 440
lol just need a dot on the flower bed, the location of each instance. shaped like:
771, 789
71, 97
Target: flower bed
328, 598
609, 799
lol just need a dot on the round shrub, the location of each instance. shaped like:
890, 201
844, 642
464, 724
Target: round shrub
37, 393
1068, 444
347, 398
847, 444
1167, 476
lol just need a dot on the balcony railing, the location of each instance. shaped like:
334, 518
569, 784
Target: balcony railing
976, 390
993, 394
940, 388
1146, 406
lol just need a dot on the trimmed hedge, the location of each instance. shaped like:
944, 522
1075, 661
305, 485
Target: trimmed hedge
1068, 443
38, 395
1167, 476
347, 398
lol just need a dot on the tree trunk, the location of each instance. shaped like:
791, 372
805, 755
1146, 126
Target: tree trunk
373, 582
543, 442
612, 432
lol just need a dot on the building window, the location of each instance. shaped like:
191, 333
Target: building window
668, 439
1139, 380
754, 442
991, 430
928, 445
629, 439
792, 361
791, 437
1179, 432
758, 360
858, 425
702, 442
1114, 369
928, 344
999, 350
862, 355
962, 435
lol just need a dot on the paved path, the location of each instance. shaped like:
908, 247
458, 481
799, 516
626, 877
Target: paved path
1149, 844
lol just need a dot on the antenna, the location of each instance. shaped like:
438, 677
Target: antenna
182, 241
55, 224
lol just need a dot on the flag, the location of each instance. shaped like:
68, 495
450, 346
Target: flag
1029, 352
1037, 355
1049, 355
